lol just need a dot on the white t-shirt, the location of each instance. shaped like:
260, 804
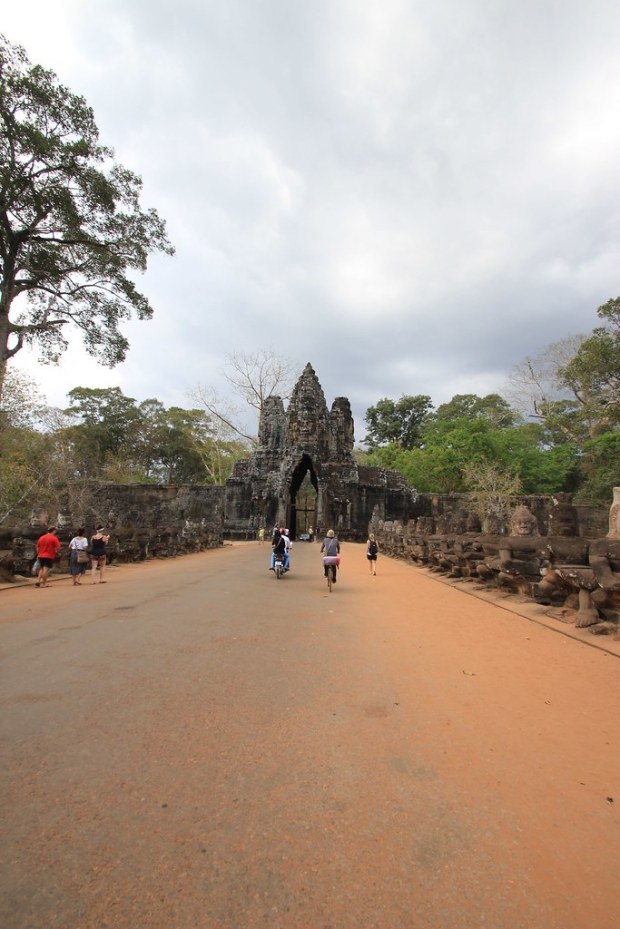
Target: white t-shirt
79, 542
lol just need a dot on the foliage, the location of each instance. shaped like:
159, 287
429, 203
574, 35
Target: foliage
398, 421
469, 406
106, 427
21, 404
113, 438
451, 448
593, 374
493, 492
600, 469
72, 232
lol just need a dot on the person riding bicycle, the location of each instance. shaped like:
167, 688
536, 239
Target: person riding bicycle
280, 545
331, 547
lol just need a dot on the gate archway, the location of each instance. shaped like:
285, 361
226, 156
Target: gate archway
303, 496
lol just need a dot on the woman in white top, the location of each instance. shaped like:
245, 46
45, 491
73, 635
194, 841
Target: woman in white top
78, 563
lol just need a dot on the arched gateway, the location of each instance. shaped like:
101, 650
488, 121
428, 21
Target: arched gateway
303, 472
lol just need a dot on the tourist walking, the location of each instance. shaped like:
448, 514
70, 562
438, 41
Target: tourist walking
372, 550
48, 546
78, 557
98, 553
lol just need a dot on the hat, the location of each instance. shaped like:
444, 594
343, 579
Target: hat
330, 533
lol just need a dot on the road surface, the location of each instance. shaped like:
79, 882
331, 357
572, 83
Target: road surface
195, 745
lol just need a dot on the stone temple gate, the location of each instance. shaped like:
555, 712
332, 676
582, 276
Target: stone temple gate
303, 473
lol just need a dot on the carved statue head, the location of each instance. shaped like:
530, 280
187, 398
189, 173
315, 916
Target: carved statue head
523, 522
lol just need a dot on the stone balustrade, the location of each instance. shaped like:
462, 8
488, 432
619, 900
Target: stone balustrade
559, 568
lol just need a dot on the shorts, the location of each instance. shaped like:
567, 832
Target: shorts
98, 559
46, 562
371, 557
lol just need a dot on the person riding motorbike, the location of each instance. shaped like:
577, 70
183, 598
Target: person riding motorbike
281, 545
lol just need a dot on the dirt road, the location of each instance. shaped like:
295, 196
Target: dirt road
195, 745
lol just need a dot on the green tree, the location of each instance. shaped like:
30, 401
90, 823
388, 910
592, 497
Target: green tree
399, 421
106, 432
600, 468
72, 232
470, 406
593, 374
21, 403
453, 448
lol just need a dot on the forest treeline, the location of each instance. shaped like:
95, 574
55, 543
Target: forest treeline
558, 431
48, 456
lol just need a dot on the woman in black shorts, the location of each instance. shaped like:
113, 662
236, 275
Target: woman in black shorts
372, 550
98, 553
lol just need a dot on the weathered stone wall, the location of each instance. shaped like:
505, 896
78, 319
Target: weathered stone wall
143, 520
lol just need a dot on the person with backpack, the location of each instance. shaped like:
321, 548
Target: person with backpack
372, 550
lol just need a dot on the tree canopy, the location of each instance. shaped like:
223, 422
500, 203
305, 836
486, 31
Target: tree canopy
560, 432
72, 231
397, 421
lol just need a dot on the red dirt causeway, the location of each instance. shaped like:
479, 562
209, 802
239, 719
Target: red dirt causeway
195, 745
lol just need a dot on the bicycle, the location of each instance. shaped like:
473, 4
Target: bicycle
330, 563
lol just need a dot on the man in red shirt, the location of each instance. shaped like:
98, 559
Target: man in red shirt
48, 547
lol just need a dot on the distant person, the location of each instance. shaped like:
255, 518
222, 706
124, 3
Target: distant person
48, 546
372, 550
98, 553
261, 535
310, 534
78, 557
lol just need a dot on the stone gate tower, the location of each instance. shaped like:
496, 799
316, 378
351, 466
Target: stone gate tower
308, 440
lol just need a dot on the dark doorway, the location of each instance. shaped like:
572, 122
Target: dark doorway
303, 497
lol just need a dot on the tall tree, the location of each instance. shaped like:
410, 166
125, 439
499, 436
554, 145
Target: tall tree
399, 421
535, 385
108, 427
72, 231
253, 376
492, 407
21, 404
593, 374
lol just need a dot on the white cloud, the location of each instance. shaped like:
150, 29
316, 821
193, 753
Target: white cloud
411, 196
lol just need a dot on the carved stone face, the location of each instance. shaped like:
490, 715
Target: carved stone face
523, 522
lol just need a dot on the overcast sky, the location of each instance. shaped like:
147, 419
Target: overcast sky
412, 196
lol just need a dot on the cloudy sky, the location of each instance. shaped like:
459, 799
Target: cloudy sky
412, 196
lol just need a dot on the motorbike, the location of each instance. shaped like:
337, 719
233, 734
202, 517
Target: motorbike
278, 567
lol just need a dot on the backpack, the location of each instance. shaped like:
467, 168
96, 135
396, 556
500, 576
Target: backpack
372, 548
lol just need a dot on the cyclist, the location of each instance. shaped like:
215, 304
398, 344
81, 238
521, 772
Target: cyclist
331, 547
